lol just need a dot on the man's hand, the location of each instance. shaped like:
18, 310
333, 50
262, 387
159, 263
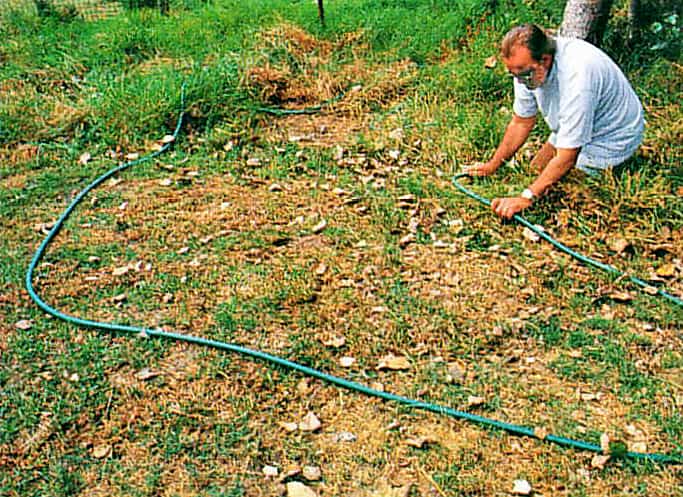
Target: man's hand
508, 207
479, 169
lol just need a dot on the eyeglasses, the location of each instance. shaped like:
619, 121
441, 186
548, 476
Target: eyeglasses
524, 77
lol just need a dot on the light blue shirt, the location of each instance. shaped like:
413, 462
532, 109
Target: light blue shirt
587, 103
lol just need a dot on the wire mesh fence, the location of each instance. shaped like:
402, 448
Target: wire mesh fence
88, 9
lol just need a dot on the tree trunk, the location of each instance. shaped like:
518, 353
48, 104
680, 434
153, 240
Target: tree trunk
321, 12
586, 19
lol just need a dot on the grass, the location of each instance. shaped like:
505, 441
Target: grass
206, 240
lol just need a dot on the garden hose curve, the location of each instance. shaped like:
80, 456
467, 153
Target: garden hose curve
269, 358
580, 257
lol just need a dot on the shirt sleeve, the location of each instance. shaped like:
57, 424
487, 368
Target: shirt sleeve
575, 120
525, 103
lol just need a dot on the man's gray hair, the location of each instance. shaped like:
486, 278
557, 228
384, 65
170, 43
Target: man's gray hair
530, 36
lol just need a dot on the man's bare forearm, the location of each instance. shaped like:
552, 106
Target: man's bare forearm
558, 166
516, 133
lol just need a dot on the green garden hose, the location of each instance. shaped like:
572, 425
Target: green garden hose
582, 258
256, 354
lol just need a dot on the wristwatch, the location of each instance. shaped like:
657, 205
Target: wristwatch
528, 194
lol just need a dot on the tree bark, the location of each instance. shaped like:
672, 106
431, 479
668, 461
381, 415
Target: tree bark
586, 19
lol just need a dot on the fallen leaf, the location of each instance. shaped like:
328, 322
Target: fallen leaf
84, 158
598, 461
530, 235
490, 62
393, 362
455, 374
406, 240
253, 162
320, 226
270, 471
289, 427
168, 139
311, 473
310, 423
336, 342
298, 489
344, 436
521, 487
666, 271
146, 374
651, 290
120, 271
289, 472
23, 324
637, 446
541, 432
589, 396
121, 297
101, 451
473, 401
347, 362
621, 296
396, 134
421, 442
617, 244
386, 490
376, 385
604, 442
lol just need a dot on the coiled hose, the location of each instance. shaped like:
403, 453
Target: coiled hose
269, 358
